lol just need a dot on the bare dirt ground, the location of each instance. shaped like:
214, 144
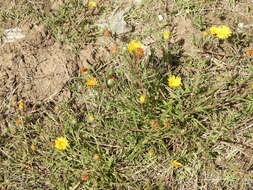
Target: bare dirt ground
35, 68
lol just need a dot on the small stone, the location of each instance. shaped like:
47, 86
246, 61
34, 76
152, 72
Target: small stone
160, 17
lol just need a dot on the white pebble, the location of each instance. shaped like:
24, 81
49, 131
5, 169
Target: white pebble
160, 17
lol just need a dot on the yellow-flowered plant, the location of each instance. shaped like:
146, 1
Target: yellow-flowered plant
96, 157
222, 32
91, 82
166, 35
21, 105
174, 81
90, 118
151, 153
33, 147
18, 120
213, 30
14, 102
175, 163
142, 98
61, 143
133, 46
92, 4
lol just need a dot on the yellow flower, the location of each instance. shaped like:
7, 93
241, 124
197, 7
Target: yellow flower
90, 118
166, 35
18, 120
223, 32
151, 153
92, 4
96, 157
142, 98
174, 81
61, 143
13, 102
251, 85
175, 163
91, 81
213, 30
33, 147
249, 52
133, 45
21, 105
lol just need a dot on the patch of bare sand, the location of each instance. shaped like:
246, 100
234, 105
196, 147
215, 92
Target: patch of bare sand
99, 53
240, 12
185, 31
7, 4
56, 4
36, 68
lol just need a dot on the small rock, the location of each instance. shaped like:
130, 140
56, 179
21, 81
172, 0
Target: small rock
56, 4
10, 35
137, 2
160, 17
116, 21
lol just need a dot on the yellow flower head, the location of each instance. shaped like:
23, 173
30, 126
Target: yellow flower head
61, 143
213, 30
91, 81
90, 118
18, 120
21, 105
251, 85
166, 35
223, 32
33, 147
151, 153
133, 45
174, 81
249, 52
13, 102
96, 157
92, 4
142, 98
175, 163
